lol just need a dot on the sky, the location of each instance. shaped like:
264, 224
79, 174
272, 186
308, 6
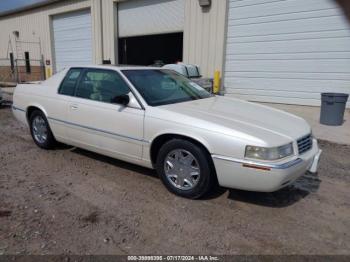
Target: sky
6, 5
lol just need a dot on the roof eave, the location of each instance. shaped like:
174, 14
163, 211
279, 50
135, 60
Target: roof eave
27, 8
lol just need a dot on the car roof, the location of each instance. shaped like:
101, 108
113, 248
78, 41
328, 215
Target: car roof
116, 67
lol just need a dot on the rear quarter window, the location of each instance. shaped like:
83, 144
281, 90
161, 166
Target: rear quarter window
69, 83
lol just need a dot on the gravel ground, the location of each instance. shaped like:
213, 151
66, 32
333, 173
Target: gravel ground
70, 201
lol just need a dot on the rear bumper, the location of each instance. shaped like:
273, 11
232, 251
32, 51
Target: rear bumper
264, 177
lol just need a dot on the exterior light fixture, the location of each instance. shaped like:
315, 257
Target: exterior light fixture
16, 33
204, 3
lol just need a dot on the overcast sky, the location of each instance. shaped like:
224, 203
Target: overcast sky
12, 4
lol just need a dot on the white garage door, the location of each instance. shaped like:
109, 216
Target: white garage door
72, 39
287, 51
140, 17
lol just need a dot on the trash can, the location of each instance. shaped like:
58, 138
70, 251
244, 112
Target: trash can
333, 108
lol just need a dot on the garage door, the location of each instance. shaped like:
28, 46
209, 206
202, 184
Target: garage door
286, 51
140, 17
72, 39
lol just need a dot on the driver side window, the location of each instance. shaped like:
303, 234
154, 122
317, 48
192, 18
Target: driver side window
101, 85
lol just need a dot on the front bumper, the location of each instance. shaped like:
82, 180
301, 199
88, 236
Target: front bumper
264, 177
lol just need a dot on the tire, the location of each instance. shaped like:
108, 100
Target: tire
46, 140
177, 174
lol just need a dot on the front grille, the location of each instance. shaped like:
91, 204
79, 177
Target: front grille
304, 144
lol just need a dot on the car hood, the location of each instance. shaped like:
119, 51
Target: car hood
236, 117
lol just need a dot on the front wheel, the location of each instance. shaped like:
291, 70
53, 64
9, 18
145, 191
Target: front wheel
185, 168
40, 130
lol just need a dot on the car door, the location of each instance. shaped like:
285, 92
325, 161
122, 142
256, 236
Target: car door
100, 124
58, 107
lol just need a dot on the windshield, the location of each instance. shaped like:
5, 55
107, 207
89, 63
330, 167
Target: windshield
162, 87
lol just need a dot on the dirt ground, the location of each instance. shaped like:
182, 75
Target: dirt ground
70, 201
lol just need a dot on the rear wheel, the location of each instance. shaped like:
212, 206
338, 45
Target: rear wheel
40, 130
184, 168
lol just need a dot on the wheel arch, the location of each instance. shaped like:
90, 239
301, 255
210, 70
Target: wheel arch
31, 108
161, 139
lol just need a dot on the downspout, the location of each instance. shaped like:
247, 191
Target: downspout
101, 21
222, 83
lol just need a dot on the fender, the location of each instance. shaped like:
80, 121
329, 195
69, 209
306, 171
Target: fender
189, 134
37, 106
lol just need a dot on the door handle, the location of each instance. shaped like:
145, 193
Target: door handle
74, 107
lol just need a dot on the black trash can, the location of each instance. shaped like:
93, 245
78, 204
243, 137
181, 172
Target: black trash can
333, 108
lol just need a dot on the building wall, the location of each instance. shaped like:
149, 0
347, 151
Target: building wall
7, 75
110, 30
34, 25
204, 35
103, 14
287, 51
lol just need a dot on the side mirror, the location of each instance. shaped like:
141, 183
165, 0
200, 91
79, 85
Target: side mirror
122, 100
133, 103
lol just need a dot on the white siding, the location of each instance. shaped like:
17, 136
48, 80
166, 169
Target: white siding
286, 51
139, 17
203, 29
72, 39
110, 33
204, 35
34, 25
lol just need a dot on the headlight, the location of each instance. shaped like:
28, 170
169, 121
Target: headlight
272, 153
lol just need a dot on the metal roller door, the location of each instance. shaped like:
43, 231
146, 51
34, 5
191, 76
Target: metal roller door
150, 32
286, 51
72, 39
151, 17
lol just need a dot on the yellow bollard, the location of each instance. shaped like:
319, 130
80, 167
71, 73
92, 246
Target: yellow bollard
48, 72
216, 84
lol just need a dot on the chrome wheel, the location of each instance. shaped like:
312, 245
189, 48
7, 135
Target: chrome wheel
182, 169
39, 129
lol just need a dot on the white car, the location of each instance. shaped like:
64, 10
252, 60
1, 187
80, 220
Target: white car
159, 119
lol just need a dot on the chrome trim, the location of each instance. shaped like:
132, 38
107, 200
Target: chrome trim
87, 127
269, 165
98, 130
18, 109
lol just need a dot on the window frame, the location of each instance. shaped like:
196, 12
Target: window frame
75, 86
120, 74
85, 70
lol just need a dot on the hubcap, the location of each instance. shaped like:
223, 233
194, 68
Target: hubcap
182, 169
39, 129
